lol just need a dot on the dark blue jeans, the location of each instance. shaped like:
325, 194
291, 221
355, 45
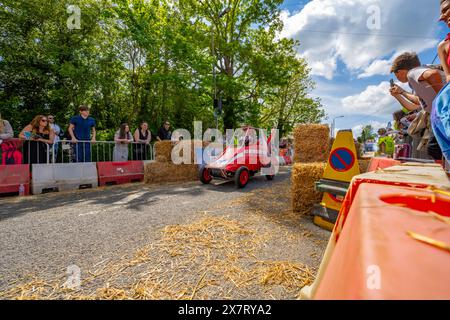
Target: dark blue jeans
83, 152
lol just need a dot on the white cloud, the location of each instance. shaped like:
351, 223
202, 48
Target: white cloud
375, 100
377, 67
336, 30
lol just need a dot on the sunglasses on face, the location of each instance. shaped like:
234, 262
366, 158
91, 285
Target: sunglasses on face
44, 120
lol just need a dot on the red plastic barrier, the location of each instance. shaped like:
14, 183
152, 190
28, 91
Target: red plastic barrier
113, 173
382, 163
418, 176
12, 176
376, 259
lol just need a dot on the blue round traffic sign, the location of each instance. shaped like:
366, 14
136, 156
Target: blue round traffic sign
342, 159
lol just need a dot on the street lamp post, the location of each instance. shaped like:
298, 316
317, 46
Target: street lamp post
220, 16
333, 126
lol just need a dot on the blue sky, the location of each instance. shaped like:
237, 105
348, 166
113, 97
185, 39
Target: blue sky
349, 61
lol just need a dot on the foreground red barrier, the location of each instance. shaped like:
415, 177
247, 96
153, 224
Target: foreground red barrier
382, 163
12, 176
379, 254
114, 173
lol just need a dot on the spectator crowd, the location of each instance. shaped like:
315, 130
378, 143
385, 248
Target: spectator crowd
40, 141
422, 127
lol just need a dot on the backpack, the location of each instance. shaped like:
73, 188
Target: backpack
11, 155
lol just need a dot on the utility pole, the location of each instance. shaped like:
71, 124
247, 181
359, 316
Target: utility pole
333, 126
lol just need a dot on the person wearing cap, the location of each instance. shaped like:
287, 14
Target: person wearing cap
82, 132
426, 83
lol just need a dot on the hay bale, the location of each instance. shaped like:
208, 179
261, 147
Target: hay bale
164, 172
163, 151
363, 165
304, 195
311, 143
161, 159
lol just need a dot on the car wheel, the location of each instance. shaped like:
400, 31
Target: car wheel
205, 176
241, 178
270, 178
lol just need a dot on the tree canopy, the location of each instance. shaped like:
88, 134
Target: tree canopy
368, 133
136, 60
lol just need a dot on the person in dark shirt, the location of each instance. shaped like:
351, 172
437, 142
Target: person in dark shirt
164, 132
80, 130
142, 137
38, 136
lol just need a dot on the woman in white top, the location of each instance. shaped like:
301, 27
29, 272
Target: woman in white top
123, 138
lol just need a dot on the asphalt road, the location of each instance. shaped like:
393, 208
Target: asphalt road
42, 235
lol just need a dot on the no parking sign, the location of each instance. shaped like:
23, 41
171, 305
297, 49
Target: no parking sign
342, 159
342, 163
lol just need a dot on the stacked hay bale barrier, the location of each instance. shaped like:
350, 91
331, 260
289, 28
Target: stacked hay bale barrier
163, 151
311, 143
304, 177
163, 170
312, 149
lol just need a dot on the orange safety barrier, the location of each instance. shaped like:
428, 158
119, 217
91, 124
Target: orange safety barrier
113, 173
406, 175
414, 175
382, 254
382, 163
12, 176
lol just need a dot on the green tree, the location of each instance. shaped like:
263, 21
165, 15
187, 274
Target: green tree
368, 133
152, 60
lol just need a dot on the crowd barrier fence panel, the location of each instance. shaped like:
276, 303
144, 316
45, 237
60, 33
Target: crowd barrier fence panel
66, 151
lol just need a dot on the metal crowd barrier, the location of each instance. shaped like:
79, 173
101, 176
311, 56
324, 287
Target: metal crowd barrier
66, 151
18, 151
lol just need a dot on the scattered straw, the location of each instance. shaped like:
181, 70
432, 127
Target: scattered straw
217, 258
287, 274
212, 257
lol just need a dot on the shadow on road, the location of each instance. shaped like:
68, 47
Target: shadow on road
131, 196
